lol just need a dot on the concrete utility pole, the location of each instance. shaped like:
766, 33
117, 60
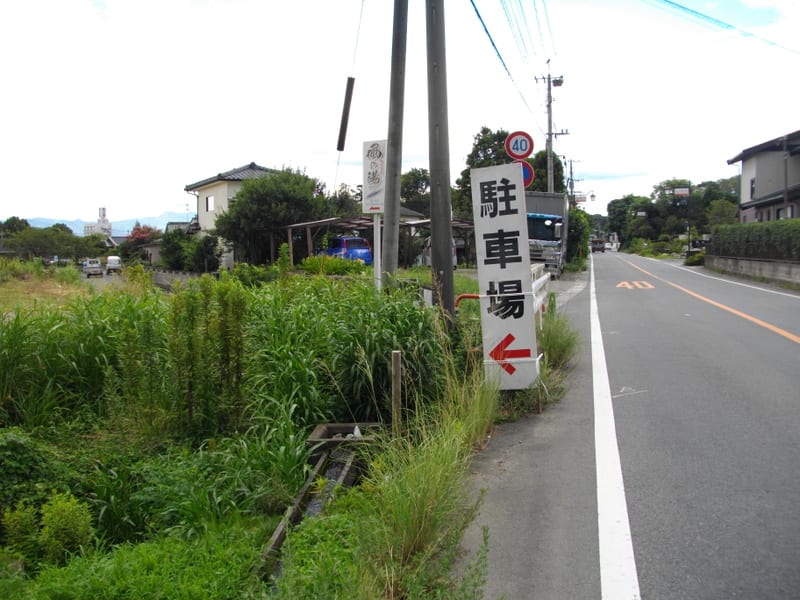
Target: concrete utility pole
439, 156
557, 82
394, 149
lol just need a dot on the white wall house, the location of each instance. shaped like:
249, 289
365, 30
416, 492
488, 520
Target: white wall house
770, 182
214, 196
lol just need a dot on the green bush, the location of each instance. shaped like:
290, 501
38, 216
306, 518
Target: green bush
66, 527
774, 240
21, 526
332, 265
12, 574
24, 468
217, 566
557, 340
694, 260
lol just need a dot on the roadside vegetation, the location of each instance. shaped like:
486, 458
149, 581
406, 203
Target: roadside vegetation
150, 443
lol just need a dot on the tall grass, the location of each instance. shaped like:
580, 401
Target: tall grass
396, 534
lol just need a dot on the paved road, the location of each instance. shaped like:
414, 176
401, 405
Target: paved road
698, 401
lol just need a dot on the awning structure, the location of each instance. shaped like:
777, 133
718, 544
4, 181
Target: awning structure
461, 227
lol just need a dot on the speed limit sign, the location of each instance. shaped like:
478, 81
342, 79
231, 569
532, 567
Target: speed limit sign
519, 145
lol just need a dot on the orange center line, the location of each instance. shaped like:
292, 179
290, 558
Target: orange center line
774, 329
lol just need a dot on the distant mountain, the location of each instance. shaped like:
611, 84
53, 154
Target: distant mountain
118, 228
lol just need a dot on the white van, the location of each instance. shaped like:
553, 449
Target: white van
113, 265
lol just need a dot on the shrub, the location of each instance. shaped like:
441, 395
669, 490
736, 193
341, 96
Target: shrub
23, 468
66, 527
694, 260
332, 265
776, 240
21, 525
557, 340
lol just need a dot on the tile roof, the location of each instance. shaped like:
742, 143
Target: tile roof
251, 171
776, 145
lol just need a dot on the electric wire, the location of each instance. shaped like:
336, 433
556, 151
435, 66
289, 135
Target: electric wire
499, 56
690, 12
352, 70
539, 26
549, 28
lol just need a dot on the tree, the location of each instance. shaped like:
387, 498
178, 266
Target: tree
13, 225
200, 254
578, 235
257, 219
140, 236
488, 149
172, 249
415, 190
346, 202
722, 212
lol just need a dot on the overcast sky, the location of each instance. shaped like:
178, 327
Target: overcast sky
122, 103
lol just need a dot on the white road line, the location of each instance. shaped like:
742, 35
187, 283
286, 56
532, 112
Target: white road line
729, 281
618, 577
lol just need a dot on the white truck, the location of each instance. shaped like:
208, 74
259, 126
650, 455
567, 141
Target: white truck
548, 226
113, 265
92, 267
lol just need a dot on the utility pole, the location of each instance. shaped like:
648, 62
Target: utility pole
557, 82
571, 184
394, 150
439, 156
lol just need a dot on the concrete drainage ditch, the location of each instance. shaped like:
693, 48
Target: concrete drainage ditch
335, 462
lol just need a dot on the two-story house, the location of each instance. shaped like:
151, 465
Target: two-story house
770, 181
214, 195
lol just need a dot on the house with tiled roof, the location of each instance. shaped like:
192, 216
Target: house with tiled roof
214, 194
770, 182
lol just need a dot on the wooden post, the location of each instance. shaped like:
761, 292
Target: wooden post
396, 378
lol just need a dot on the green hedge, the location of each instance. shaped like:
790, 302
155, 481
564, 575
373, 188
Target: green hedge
776, 240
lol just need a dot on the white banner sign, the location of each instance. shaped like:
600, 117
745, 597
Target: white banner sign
374, 185
504, 276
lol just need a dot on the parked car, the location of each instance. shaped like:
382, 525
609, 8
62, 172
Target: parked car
113, 265
92, 267
598, 245
350, 247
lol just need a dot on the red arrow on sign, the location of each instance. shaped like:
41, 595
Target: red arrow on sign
501, 354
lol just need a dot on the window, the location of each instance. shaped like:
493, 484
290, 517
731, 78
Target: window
209, 203
752, 188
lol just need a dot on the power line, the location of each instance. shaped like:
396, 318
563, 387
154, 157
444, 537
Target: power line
722, 24
499, 56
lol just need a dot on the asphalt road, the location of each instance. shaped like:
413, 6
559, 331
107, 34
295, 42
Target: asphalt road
698, 401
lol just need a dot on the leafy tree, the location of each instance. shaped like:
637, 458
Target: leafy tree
37, 242
488, 149
722, 212
140, 235
539, 164
256, 221
172, 249
200, 254
580, 227
415, 190
619, 213
346, 202
13, 225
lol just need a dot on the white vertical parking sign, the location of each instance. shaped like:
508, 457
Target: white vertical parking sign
504, 276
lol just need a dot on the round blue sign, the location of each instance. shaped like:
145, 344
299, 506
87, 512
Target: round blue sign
527, 172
